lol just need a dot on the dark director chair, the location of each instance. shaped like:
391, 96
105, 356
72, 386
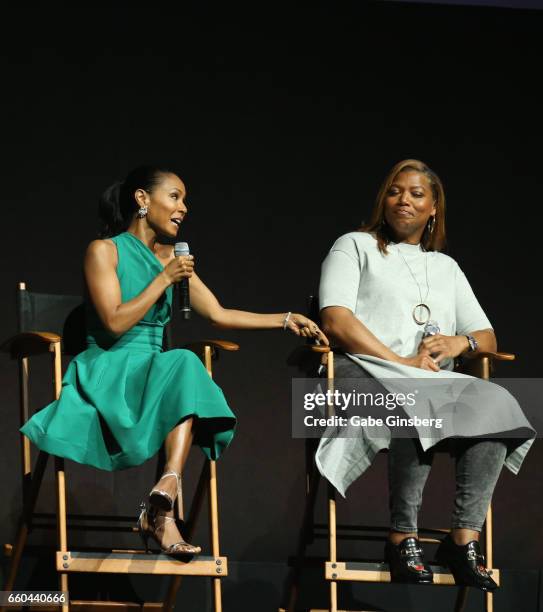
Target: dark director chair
55, 324
307, 359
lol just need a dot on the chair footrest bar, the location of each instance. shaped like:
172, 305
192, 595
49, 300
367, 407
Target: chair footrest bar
379, 572
140, 563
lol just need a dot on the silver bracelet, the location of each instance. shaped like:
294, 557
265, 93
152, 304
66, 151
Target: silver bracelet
285, 321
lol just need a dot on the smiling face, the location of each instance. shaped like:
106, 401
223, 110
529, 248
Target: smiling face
408, 205
166, 208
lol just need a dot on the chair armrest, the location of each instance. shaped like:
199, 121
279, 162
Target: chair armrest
198, 347
26, 344
319, 348
481, 364
497, 356
307, 357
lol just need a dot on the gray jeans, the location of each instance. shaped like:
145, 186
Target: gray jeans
478, 466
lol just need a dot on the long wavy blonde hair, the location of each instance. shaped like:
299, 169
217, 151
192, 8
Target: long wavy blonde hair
431, 240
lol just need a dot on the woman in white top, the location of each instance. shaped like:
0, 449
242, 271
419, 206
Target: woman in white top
380, 286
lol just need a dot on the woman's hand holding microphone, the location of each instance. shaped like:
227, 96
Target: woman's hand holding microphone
179, 268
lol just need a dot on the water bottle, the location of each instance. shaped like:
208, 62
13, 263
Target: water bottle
431, 329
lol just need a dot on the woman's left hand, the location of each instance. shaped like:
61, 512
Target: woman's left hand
302, 326
442, 347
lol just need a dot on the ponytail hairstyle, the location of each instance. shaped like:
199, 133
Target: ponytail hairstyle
117, 205
434, 236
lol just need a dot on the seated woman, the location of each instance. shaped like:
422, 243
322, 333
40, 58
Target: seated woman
123, 397
379, 287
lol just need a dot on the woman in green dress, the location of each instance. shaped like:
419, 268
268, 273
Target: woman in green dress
123, 397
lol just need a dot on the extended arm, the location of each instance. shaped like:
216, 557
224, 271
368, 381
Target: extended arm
206, 304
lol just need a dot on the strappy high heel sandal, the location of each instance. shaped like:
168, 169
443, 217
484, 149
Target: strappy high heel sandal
161, 499
148, 525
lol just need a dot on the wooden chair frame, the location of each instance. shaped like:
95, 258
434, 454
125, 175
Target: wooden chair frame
335, 570
22, 347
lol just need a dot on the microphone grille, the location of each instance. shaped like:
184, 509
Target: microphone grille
181, 248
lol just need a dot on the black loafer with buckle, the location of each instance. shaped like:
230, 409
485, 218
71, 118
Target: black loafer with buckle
406, 562
466, 563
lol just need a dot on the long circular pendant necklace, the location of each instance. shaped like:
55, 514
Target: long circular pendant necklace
420, 308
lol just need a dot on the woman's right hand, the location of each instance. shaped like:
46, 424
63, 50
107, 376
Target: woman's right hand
179, 268
422, 360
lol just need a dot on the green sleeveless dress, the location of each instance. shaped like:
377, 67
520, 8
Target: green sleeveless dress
122, 396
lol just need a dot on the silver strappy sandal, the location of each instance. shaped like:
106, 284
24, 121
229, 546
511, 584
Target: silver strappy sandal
149, 524
162, 500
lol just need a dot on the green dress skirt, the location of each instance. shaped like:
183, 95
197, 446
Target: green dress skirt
122, 396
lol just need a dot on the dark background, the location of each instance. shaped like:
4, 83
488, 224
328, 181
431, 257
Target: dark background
517, 4
282, 118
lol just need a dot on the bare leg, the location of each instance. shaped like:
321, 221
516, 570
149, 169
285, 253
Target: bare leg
399, 536
462, 536
177, 446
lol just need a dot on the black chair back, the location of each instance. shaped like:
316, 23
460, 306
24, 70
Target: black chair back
60, 314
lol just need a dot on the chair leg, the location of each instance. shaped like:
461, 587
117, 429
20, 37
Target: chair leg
489, 597
332, 498
213, 505
61, 523
292, 588
217, 595
26, 456
194, 513
489, 601
214, 528
209, 473
169, 602
333, 544
24, 522
312, 478
56, 363
461, 599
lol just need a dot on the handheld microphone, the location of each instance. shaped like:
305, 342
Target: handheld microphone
182, 248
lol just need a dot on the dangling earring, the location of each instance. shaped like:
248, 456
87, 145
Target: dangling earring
431, 224
142, 212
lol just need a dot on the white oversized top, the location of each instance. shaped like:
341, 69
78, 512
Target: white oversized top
381, 292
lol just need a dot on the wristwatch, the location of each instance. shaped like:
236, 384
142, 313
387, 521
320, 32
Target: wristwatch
473, 346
